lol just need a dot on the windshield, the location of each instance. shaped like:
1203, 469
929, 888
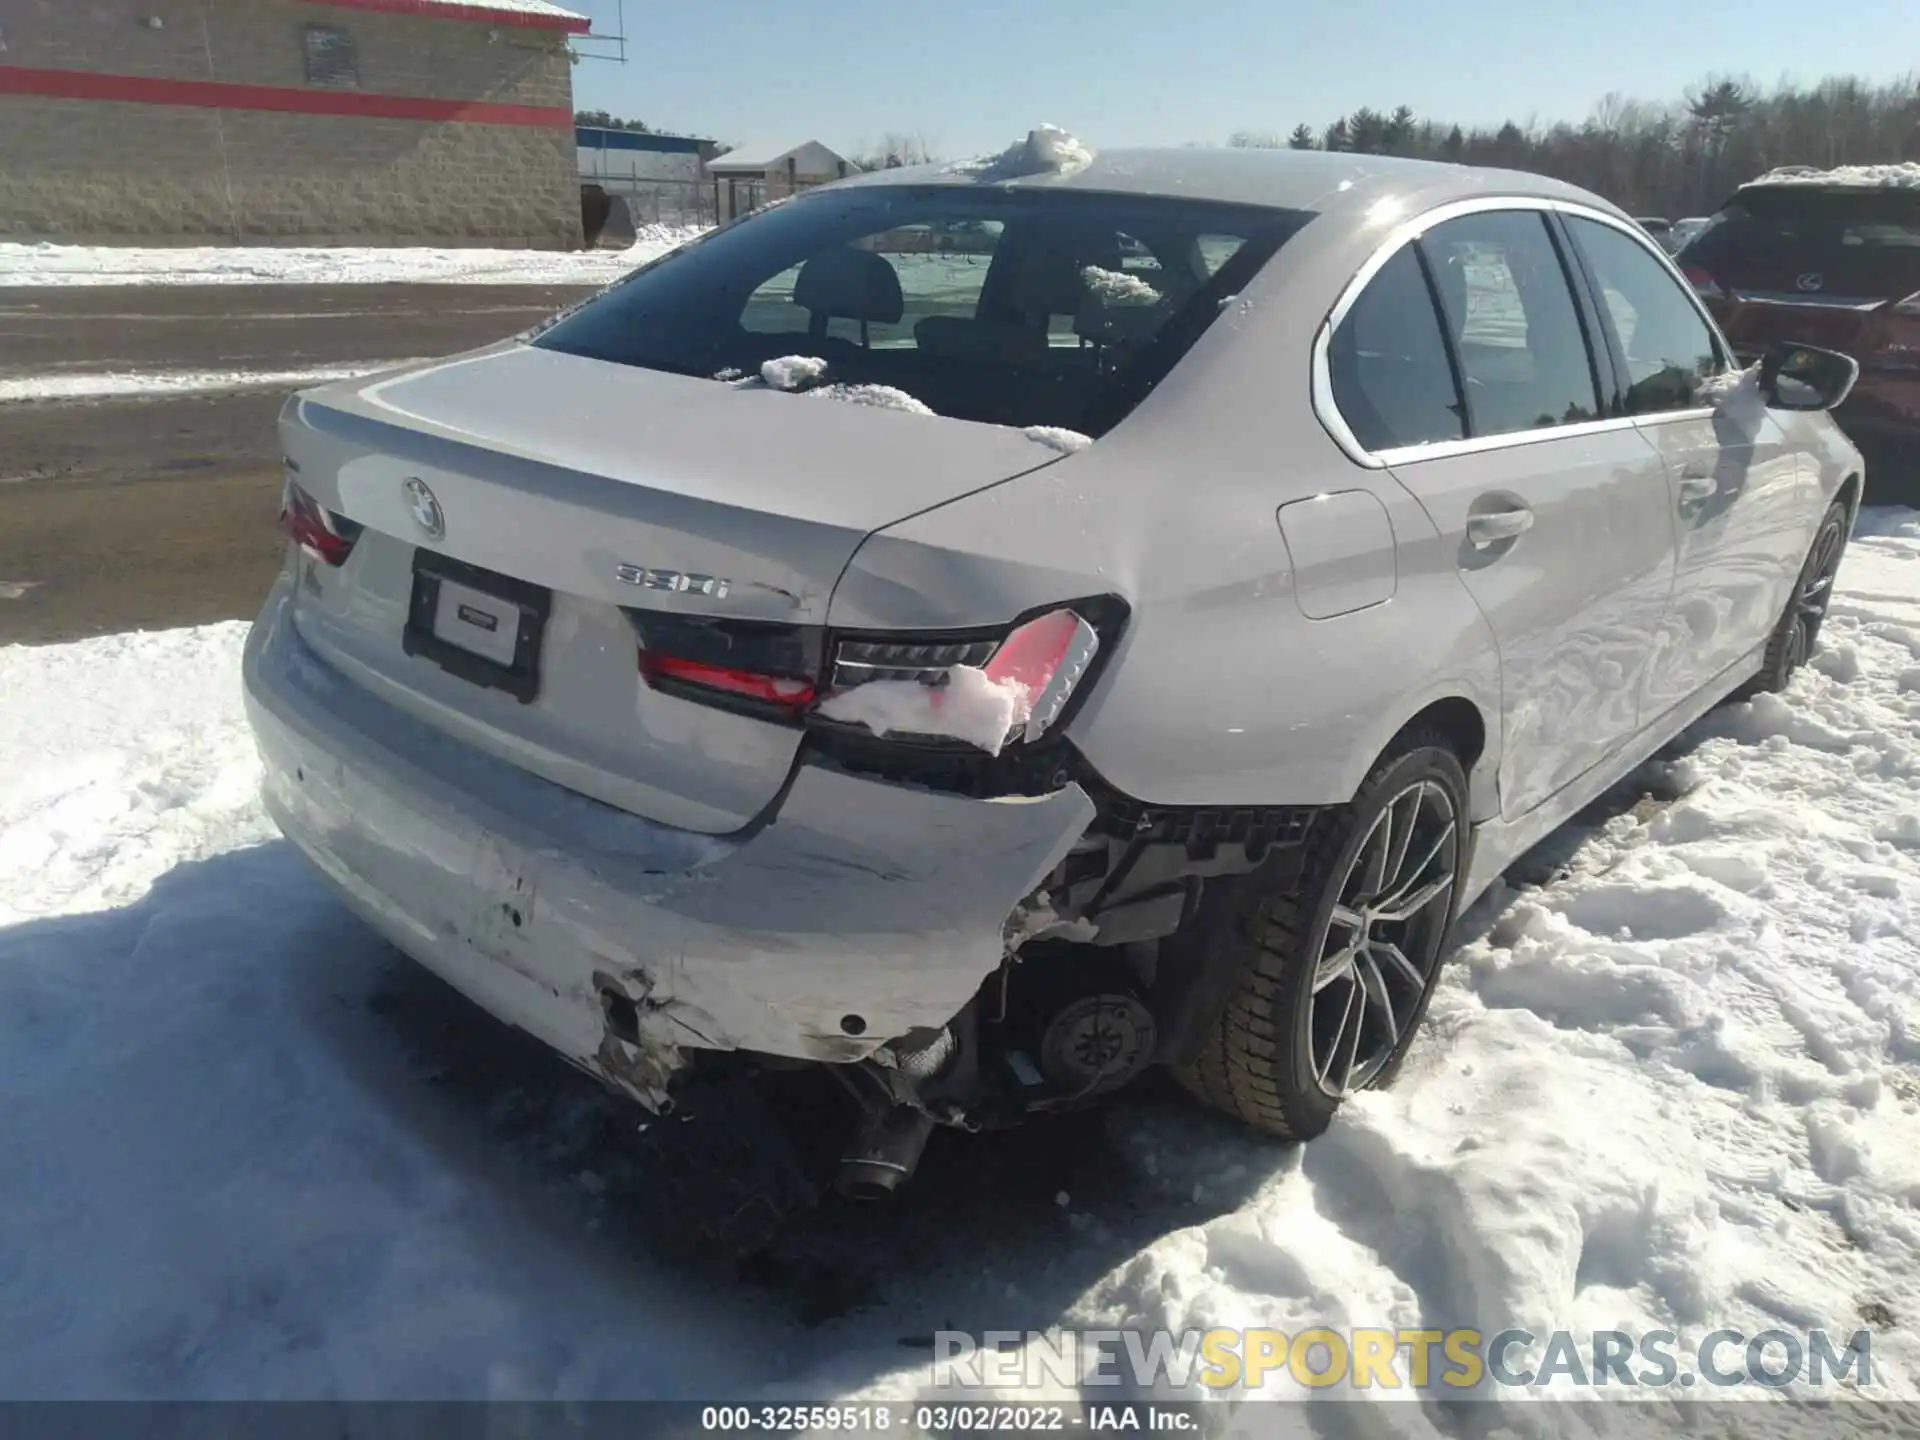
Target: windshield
1837, 245
1015, 308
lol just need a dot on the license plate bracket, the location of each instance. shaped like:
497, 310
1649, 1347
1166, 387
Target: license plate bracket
501, 621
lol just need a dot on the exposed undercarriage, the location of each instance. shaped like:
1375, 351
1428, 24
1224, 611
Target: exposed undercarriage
1095, 987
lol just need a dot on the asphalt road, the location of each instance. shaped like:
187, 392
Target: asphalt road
146, 512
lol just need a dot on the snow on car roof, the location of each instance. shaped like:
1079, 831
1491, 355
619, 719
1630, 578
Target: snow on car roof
1903, 176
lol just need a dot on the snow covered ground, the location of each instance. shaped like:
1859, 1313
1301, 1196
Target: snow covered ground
1671, 1083
337, 265
26, 389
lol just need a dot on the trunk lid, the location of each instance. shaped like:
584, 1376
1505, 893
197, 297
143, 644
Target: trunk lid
569, 494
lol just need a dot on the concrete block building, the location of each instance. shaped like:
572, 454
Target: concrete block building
288, 121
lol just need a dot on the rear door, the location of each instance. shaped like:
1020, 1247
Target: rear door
1555, 516
1742, 501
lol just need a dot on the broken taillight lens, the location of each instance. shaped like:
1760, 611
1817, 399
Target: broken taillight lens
315, 529
984, 692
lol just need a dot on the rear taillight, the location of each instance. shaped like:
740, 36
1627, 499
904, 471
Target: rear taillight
1046, 657
756, 666
984, 693
1703, 283
314, 528
666, 671
980, 689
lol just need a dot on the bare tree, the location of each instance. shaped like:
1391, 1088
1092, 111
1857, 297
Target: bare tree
896, 149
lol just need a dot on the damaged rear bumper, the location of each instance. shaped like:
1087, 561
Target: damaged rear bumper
861, 911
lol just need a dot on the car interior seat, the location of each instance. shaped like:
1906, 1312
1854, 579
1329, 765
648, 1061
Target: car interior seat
848, 284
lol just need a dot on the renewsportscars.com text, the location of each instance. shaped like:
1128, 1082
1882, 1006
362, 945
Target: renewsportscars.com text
1394, 1359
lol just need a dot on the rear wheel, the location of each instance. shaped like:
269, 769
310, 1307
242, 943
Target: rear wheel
1793, 637
1337, 959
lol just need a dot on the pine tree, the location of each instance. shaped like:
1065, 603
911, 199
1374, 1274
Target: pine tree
1398, 137
1369, 130
1302, 138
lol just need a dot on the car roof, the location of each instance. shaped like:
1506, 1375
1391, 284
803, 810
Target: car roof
1320, 181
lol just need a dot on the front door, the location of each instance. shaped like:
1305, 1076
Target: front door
1742, 504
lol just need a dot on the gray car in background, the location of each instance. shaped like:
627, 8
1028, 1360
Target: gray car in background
995, 629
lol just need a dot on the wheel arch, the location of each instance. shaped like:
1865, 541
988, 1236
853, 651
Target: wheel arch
1472, 734
1851, 490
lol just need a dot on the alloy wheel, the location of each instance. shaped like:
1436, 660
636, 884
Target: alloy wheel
1811, 599
1383, 938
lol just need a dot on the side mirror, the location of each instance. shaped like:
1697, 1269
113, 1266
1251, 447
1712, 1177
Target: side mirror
1802, 377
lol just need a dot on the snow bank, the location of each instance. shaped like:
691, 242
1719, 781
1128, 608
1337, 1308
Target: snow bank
971, 707
126, 383
1902, 176
335, 265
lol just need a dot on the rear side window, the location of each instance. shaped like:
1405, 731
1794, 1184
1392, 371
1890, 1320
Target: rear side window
1667, 347
1011, 306
1815, 244
1391, 378
1507, 302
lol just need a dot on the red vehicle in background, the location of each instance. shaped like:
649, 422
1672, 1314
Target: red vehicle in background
1830, 258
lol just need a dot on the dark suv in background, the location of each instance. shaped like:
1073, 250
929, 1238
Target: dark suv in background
1830, 258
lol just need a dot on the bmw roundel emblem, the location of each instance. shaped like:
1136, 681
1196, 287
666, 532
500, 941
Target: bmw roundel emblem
426, 510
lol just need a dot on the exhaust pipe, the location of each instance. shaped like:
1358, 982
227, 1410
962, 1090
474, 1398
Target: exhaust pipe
885, 1151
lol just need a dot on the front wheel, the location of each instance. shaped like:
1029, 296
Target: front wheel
1337, 960
1792, 641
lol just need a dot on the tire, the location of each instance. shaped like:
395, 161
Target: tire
1272, 1056
1798, 628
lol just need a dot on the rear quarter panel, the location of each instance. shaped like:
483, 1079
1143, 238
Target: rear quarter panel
1221, 691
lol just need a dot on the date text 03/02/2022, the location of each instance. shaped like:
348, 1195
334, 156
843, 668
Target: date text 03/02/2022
946, 1418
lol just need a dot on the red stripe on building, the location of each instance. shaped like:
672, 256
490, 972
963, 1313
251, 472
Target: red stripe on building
218, 95
573, 24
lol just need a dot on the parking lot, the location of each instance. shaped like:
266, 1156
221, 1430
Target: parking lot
152, 507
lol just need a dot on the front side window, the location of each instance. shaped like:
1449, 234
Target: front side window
1009, 306
1388, 362
1514, 326
1668, 348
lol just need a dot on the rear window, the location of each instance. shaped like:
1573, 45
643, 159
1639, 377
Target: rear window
992, 305
1800, 239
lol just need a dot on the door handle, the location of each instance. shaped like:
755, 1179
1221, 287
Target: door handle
1697, 485
1497, 525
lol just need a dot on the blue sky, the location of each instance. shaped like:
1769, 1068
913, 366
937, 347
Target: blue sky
973, 74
